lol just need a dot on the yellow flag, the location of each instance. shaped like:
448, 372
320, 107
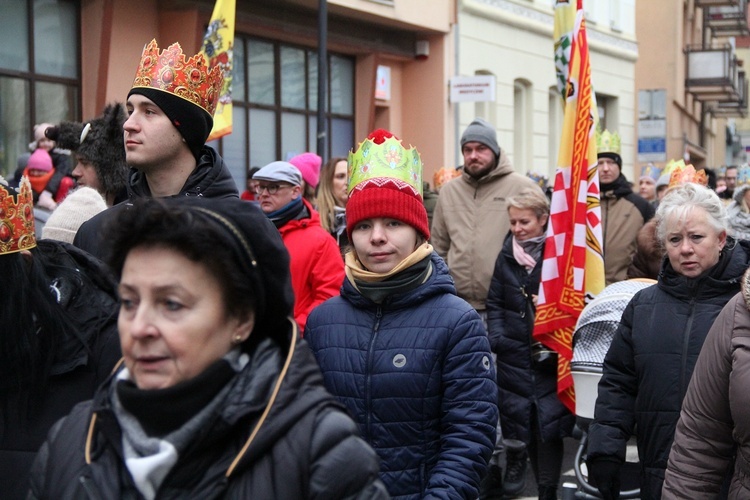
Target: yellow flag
573, 267
218, 47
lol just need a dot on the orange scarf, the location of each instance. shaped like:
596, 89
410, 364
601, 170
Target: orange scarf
39, 182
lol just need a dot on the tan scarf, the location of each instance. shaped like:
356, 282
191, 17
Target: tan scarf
356, 271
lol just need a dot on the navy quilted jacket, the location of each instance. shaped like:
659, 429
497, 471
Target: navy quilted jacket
416, 374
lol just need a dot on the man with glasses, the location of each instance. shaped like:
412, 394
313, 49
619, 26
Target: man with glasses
316, 267
624, 213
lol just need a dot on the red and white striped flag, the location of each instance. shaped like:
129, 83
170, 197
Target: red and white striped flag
573, 267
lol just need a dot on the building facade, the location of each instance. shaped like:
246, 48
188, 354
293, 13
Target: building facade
690, 81
512, 40
388, 64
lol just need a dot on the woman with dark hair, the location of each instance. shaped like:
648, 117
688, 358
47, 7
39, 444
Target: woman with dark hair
59, 340
217, 396
332, 198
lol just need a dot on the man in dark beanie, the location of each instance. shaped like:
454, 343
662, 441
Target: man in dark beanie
170, 108
99, 152
624, 213
468, 228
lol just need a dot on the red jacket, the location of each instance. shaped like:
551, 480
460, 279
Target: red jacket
316, 266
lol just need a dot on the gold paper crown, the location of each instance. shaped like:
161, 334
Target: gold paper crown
540, 179
743, 175
679, 173
607, 142
652, 171
384, 156
444, 175
189, 79
17, 218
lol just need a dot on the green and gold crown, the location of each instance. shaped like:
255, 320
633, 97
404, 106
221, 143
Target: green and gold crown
607, 142
383, 155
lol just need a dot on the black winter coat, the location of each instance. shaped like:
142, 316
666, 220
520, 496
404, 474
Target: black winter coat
89, 296
306, 447
210, 179
651, 359
522, 384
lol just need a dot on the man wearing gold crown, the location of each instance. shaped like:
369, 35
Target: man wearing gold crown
623, 212
170, 109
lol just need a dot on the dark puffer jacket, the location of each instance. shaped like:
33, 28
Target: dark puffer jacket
306, 447
510, 318
417, 375
651, 359
88, 295
210, 179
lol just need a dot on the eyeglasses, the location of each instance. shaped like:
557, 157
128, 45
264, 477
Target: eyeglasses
271, 188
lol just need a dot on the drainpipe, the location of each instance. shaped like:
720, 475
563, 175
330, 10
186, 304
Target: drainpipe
322, 130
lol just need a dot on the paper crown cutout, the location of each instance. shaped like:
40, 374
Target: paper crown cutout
444, 175
540, 179
607, 142
743, 175
383, 155
651, 171
16, 218
679, 173
721, 171
190, 79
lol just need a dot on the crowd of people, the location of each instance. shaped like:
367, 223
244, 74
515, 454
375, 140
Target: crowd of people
339, 330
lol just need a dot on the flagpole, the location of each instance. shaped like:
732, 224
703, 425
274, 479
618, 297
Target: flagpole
322, 131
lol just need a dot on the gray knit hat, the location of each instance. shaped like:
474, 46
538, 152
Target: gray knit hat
481, 131
279, 171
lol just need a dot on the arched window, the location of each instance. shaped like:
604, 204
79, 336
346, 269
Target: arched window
523, 130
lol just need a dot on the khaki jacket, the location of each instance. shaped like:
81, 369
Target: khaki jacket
470, 224
623, 214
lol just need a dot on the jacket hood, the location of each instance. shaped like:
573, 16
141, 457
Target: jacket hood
739, 193
503, 168
211, 178
438, 283
724, 276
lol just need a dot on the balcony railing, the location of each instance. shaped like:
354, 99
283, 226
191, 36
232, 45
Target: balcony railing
728, 20
712, 73
714, 3
736, 109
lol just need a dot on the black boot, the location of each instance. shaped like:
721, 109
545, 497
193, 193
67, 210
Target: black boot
515, 467
547, 492
491, 487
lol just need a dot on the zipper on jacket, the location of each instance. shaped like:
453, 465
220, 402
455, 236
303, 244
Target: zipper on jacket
685, 345
368, 371
90, 488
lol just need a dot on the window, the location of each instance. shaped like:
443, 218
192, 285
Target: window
39, 74
522, 126
555, 122
275, 105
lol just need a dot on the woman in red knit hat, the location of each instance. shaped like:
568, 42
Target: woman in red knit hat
409, 359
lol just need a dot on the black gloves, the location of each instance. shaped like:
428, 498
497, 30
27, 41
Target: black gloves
605, 475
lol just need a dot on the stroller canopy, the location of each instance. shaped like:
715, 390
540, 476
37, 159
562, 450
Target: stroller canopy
598, 323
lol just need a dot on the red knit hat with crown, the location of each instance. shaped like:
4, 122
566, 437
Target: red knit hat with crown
386, 196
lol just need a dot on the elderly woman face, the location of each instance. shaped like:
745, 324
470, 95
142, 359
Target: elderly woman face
693, 244
173, 323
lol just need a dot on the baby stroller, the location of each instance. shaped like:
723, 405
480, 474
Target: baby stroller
593, 334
